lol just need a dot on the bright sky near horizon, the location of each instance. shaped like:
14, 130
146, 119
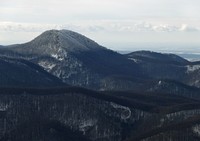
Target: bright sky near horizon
116, 24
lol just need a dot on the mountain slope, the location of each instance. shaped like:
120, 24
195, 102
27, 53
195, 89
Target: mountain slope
21, 73
48, 130
39, 114
75, 59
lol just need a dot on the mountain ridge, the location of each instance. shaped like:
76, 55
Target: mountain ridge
79, 61
158, 57
167, 66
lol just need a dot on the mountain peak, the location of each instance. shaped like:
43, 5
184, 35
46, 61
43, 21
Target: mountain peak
59, 43
66, 39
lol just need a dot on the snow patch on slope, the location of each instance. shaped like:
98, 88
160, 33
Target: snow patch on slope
160, 82
135, 60
126, 112
3, 107
85, 125
57, 57
192, 68
46, 65
196, 129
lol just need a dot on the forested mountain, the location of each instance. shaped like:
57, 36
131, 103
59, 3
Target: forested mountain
79, 114
143, 95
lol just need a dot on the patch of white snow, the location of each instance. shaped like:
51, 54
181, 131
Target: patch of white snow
192, 68
126, 110
196, 129
86, 124
46, 65
135, 60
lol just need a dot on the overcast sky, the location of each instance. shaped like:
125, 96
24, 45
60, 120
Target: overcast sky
116, 24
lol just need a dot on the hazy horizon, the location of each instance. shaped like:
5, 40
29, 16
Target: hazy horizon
116, 24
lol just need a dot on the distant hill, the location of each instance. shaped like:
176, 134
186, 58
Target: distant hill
167, 66
155, 57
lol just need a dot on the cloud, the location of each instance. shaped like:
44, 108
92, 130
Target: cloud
106, 32
24, 27
98, 26
188, 28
